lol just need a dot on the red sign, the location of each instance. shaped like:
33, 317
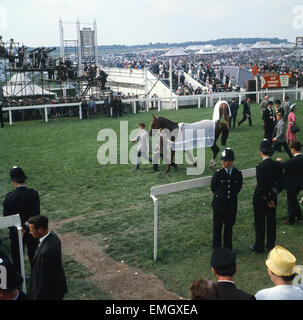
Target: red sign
255, 70
275, 81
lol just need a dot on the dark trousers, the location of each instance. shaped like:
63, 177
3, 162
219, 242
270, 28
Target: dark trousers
2, 123
220, 219
294, 209
262, 214
115, 113
268, 134
244, 119
233, 121
277, 147
28, 241
91, 112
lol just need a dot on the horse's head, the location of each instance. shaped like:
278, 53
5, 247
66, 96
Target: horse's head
155, 125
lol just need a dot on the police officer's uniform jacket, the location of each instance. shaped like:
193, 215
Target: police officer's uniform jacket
226, 188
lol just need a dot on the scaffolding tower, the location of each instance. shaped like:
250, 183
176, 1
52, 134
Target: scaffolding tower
84, 47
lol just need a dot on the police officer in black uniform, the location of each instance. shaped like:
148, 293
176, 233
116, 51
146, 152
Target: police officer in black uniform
26, 203
269, 185
226, 184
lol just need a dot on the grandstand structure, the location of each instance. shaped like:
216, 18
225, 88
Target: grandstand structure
31, 75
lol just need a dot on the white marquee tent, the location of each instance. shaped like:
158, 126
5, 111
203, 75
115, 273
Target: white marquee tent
177, 52
21, 86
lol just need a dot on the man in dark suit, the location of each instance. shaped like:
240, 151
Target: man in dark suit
226, 184
293, 174
246, 113
268, 119
234, 107
269, 185
47, 281
120, 106
84, 107
224, 267
26, 203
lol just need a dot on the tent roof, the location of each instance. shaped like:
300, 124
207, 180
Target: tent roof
175, 53
21, 86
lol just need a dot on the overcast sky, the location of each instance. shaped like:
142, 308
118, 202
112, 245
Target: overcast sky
36, 22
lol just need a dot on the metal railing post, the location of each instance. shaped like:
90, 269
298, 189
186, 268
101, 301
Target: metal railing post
46, 114
19, 228
155, 227
10, 118
80, 111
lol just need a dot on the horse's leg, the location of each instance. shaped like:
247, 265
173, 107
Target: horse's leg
215, 151
190, 157
168, 169
171, 164
172, 159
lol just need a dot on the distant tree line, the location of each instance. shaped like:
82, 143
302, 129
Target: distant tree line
219, 42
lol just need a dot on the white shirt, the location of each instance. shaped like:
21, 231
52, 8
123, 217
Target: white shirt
283, 292
43, 238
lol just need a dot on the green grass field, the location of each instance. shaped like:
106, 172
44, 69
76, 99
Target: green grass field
60, 159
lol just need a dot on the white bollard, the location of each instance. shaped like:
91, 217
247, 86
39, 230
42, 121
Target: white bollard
80, 111
10, 117
46, 114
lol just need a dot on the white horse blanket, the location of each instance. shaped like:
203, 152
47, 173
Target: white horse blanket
216, 116
195, 135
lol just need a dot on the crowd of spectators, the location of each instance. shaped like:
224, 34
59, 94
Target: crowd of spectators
207, 68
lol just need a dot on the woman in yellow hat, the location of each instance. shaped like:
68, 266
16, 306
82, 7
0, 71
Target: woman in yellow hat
282, 269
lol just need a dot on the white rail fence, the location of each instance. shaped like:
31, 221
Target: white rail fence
177, 187
205, 100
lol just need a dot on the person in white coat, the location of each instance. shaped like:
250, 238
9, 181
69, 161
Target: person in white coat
143, 145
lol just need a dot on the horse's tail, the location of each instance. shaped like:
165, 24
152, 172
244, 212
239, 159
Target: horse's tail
225, 133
